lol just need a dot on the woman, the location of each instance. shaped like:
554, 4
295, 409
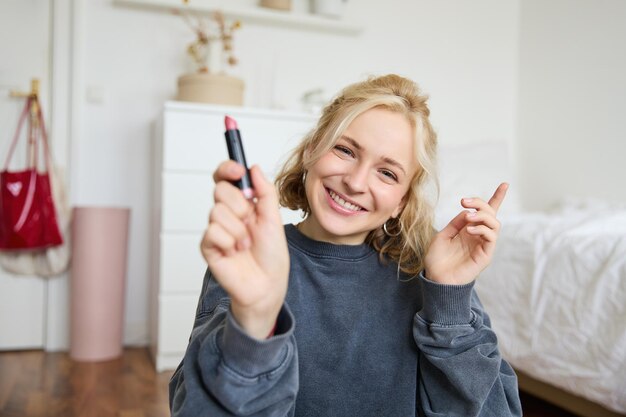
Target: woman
361, 309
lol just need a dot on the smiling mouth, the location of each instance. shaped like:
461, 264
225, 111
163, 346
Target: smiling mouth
343, 203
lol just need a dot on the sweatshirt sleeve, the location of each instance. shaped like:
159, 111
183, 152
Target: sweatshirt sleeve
461, 371
225, 372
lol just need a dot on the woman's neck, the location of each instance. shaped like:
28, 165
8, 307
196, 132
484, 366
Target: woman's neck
313, 230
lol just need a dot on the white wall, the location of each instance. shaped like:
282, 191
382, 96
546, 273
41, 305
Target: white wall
548, 74
462, 53
572, 101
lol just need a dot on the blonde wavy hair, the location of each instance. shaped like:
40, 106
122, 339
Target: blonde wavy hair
412, 230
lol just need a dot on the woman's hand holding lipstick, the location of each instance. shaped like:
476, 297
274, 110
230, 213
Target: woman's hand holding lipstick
246, 248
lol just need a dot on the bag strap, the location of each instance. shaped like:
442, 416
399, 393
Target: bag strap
36, 126
44, 139
17, 133
37, 130
33, 145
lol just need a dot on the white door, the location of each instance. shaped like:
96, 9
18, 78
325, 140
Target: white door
24, 54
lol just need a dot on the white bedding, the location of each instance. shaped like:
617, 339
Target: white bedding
556, 294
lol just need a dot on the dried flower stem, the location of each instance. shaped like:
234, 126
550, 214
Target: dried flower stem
199, 48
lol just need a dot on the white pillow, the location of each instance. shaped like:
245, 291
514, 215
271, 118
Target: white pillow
473, 170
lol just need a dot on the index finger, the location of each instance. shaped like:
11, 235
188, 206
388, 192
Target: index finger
498, 197
228, 170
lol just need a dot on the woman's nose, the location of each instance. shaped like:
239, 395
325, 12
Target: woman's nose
356, 179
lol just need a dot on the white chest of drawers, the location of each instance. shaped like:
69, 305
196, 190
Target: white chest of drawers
189, 146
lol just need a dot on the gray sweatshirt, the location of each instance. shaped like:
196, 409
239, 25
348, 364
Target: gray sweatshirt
352, 339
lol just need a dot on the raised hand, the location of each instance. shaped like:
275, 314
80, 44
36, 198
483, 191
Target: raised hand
461, 250
246, 249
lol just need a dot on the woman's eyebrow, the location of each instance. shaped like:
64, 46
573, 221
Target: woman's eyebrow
386, 159
351, 142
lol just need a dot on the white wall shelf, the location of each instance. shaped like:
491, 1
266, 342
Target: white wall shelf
287, 19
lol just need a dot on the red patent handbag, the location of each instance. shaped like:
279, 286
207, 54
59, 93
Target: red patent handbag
27, 214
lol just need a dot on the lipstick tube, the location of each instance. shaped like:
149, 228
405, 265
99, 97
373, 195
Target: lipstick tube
235, 152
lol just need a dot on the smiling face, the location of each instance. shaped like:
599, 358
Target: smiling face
360, 183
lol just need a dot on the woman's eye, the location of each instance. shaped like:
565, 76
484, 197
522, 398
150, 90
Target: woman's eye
389, 174
344, 150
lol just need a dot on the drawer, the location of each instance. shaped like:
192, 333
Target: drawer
186, 199
182, 264
195, 140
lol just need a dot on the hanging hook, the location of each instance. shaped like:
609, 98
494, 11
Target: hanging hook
34, 90
33, 96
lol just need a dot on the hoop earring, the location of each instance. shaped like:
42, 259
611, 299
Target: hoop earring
389, 234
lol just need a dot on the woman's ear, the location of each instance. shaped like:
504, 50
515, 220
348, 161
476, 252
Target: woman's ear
306, 154
396, 212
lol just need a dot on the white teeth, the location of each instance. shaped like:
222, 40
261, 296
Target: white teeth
342, 202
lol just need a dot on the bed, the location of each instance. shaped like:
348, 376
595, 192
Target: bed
556, 288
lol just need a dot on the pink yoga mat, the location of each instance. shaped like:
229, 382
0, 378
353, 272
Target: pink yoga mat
97, 282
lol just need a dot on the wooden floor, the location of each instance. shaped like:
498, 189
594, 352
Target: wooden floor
38, 384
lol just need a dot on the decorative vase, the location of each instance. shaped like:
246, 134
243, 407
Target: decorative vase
215, 57
210, 88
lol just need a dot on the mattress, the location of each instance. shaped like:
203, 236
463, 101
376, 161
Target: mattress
556, 295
